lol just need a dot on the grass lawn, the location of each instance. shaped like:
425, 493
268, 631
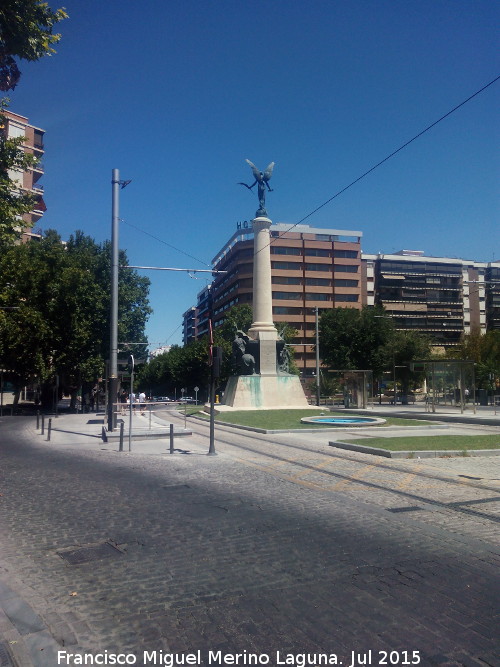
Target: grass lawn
275, 420
462, 443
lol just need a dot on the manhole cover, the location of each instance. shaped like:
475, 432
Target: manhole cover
5, 659
411, 508
89, 554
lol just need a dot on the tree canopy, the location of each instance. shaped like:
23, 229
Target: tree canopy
484, 350
366, 339
55, 308
26, 32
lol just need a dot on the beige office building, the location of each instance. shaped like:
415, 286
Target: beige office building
310, 268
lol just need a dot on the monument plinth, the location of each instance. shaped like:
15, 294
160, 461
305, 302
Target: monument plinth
260, 357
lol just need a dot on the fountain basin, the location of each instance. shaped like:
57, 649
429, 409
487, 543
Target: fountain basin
343, 421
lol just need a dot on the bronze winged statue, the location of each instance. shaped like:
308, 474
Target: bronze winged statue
262, 179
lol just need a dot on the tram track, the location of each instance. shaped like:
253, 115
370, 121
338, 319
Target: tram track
346, 456
247, 443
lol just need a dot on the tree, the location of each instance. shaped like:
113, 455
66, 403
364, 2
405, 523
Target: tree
56, 304
367, 340
25, 32
484, 350
351, 339
408, 346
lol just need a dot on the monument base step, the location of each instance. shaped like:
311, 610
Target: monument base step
257, 392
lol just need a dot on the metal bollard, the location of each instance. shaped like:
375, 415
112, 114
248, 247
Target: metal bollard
120, 449
37, 419
43, 424
171, 438
49, 429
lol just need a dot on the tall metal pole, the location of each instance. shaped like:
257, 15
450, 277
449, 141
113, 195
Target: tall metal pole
113, 338
318, 385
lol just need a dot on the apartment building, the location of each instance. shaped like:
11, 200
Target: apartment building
492, 295
18, 126
310, 268
440, 296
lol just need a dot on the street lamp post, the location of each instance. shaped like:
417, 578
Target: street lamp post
113, 337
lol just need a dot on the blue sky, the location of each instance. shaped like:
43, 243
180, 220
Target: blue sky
177, 94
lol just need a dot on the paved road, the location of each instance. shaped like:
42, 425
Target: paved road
279, 546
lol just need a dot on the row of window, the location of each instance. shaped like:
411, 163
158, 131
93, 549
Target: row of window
291, 310
295, 266
313, 296
314, 282
417, 267
314, 252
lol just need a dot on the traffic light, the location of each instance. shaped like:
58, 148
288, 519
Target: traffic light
217, 360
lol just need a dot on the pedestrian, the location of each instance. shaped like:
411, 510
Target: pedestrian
131, 400
142, 403
123, 398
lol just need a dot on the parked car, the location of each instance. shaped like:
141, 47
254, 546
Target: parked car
186, 399
161, 399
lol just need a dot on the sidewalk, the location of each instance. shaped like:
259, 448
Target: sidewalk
89, 430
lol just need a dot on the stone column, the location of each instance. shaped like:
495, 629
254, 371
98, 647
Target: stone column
262, 328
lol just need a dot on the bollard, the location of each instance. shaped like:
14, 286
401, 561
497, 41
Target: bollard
37, 419
49, 429
171, 438
43, 424
120, 449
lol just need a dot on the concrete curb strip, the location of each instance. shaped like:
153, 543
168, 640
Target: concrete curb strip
412, 454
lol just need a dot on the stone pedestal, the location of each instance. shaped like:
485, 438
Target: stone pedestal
258, 392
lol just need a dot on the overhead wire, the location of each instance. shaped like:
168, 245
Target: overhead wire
369, 171
350, 185
129, 224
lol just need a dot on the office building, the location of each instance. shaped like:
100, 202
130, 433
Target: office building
439, 296
310, 268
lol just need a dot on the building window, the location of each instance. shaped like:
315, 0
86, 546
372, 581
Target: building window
276, 250
286, 266
345, 269
287, 295
318, 267
286, 280
317, 252
344, 282
319, 282
346, 297
352, 254
286, 310
310, 296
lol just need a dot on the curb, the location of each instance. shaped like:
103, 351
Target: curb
323, 429
27, 641
414, 454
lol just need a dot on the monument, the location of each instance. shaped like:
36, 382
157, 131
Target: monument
261, 360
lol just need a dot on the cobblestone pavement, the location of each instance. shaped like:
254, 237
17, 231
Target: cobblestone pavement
279, 546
